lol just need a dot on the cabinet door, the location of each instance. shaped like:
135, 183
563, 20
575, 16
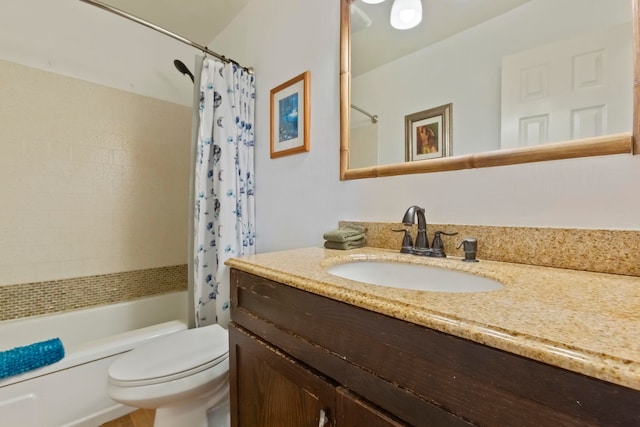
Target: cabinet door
272, 390
353, 411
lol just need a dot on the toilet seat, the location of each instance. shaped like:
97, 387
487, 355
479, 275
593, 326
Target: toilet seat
176, 356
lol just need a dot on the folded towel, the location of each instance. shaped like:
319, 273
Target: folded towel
346, 239
352, 244
29, 357
346, 233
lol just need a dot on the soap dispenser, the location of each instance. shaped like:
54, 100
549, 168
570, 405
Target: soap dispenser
470, 249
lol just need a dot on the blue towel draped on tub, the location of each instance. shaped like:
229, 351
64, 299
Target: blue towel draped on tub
29, 357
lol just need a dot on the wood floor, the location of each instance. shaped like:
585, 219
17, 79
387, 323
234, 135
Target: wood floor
139, 418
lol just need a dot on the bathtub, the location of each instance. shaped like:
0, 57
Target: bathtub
73, 391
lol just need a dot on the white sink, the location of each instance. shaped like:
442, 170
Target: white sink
414, 277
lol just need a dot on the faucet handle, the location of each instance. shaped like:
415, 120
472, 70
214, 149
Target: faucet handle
438, 245
470, 249
407, 243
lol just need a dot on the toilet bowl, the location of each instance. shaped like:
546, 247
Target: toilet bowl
184, 376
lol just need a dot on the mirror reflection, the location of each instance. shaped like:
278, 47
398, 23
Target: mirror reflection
513, 74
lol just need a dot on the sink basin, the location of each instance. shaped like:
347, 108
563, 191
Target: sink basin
414, 277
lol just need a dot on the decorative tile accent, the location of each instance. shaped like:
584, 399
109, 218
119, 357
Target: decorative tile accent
30, 299
600, 251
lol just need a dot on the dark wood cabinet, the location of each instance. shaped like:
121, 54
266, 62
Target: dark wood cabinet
275, 390
296, 355
354, 411
271, 389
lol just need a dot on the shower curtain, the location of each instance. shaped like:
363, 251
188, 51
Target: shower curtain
223, 212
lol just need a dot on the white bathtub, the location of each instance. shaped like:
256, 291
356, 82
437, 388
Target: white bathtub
72, 392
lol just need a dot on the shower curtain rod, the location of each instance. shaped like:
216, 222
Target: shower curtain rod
373, 117
159, 29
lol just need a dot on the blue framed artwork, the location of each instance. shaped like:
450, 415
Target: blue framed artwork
290, 117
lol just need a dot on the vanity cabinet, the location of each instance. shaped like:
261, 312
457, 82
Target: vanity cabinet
295, 356
274, 389
278, 391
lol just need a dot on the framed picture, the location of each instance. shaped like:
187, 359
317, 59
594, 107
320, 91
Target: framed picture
290, 117
428, 134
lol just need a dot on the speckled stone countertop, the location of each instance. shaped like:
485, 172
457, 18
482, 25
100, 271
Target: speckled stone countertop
581, 321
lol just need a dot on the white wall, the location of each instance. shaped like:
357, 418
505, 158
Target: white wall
298, 197
295, 195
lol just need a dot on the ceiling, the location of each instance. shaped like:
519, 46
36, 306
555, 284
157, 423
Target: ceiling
76, 39
197, 20
118, 53
374, 42
379, 43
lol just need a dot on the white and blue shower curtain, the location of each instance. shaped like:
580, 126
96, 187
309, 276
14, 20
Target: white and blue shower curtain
224, 212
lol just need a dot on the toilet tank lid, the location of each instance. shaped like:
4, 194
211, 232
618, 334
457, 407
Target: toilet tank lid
174, 353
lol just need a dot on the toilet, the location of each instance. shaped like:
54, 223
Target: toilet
184, 376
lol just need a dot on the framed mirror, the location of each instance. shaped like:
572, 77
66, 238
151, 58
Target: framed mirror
490, 71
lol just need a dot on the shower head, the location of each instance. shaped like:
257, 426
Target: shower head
182, 68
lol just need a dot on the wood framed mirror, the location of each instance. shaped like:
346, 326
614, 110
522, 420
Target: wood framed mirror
608, 144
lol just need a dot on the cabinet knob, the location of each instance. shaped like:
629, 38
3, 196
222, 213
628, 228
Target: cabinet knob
324, 420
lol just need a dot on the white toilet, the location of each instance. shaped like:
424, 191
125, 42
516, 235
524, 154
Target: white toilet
184, 376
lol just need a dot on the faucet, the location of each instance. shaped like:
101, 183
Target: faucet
421, 246
409, 218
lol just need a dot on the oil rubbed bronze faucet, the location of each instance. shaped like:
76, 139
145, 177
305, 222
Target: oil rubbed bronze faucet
409, 218
421, 245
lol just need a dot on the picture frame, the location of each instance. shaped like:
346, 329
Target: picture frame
290, 117
428, 134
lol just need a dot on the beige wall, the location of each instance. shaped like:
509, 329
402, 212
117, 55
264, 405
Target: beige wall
93, 180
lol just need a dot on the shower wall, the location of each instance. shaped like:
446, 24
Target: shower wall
363, 145
93, 180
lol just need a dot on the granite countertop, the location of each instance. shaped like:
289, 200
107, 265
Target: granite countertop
581, 321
